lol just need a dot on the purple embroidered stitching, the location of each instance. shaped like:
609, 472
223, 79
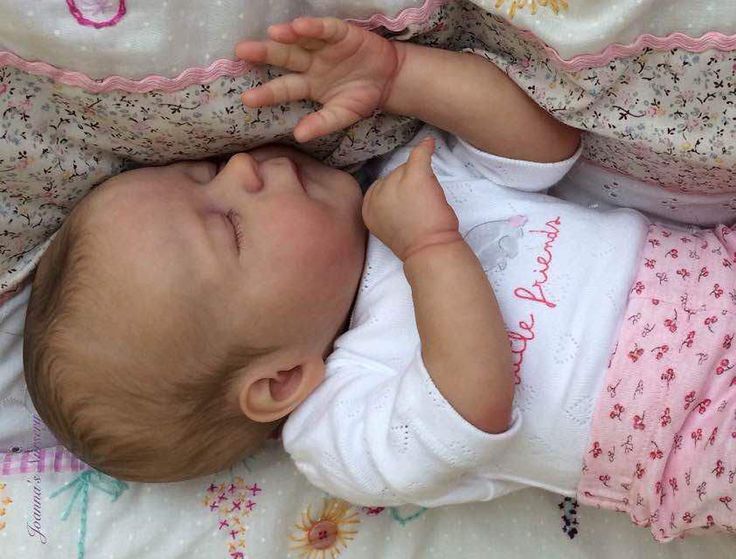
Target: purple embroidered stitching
79, 16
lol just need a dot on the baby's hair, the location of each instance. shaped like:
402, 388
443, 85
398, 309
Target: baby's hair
174, 426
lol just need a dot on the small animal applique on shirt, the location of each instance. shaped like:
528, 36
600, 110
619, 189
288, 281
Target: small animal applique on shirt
496, 242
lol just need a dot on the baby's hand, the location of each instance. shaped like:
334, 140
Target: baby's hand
345, 68
407, 209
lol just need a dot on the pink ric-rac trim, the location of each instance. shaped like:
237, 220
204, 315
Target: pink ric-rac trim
79, 16
711, 40
52, 460
197, 75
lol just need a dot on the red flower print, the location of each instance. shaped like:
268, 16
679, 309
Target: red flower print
712, 438
723, 366
639, 422
719, 469
654, 242
701, 491
727, 263
668, 376
655, 302
727, 340
703, 273
616, 412
717, 291
649, 263
638, 288
683, 273
640, 471
672, 253
655, 453
696, 436
726, 500
604, 479
689, 399
611, 454
710, 321
596, 451
665, 419
688, 341
635, 353
661, 350
671, 323
673, 484
703, 406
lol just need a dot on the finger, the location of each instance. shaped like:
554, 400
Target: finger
327, 29
325, 121
291, 87
421, 155
291, 57
285, 33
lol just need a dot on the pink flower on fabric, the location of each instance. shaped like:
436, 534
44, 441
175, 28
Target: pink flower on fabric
97, 13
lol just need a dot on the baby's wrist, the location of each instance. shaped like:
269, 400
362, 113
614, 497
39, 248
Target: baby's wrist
391, 98
427, 243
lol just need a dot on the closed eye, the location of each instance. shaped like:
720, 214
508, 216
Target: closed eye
234, 219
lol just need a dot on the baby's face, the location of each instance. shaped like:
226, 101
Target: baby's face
266, 250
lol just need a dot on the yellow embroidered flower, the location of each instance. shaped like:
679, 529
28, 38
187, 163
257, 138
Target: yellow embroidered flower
6, 502
327, 533
533, 5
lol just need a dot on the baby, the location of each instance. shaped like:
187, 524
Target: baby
183, 312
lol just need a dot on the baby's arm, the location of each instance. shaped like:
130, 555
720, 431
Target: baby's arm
464, 343
353, 72
472, 98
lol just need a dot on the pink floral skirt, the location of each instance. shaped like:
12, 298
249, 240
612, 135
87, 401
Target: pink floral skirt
663, 437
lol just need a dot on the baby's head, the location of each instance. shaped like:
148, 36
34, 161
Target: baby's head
183, 311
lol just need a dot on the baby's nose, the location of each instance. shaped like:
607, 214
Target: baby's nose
242, 169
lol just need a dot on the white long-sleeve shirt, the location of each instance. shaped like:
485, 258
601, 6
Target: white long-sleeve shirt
378, 432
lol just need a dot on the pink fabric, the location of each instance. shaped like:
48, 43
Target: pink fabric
712, 40
196, 75
663, 437
54, 459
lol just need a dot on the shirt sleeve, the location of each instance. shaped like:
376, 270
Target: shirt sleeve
529, 176
456, 159
378, 437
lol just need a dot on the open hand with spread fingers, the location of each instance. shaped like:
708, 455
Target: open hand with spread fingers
345, 68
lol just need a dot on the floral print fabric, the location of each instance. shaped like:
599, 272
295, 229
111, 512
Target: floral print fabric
663, 439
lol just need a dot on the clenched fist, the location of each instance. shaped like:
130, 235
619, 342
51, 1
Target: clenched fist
407, 209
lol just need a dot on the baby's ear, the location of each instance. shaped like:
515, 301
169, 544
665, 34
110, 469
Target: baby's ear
270, 393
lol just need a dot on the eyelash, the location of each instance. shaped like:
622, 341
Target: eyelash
234, 220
